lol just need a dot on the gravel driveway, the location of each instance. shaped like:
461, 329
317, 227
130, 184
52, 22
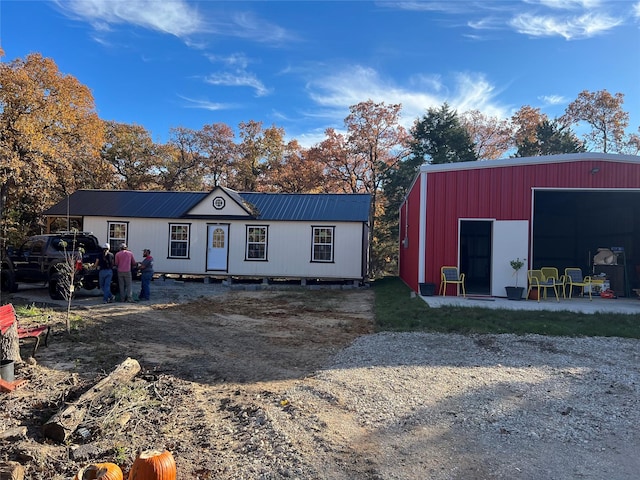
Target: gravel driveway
442, 406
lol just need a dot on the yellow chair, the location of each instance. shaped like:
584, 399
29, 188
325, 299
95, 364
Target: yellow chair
573, 278
538, 281
451, 275
552, 272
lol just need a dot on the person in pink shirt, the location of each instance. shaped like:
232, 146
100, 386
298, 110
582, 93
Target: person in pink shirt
124, 261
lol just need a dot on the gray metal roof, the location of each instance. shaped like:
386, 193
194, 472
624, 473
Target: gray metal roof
269, 206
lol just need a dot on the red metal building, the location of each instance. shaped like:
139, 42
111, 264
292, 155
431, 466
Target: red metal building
553, 211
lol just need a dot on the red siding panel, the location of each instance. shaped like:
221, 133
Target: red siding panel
502, 193
410, 226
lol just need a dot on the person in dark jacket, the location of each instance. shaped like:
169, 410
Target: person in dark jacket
104, 264
146, 274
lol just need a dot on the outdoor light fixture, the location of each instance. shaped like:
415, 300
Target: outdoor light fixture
595, 170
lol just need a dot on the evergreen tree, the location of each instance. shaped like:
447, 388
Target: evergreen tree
550, 139
440, 137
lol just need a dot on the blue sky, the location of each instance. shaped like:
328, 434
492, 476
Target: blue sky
299, 65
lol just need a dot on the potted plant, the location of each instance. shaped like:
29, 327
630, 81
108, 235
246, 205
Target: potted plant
515, 292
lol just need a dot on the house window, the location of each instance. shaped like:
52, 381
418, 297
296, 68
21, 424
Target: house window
256, 243
218, 238
179, 241
322, 244
117, 235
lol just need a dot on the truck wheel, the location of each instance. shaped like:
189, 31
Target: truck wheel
56, 291
8, 282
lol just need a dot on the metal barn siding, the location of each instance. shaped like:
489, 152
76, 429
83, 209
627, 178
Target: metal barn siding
500, 190
408, 258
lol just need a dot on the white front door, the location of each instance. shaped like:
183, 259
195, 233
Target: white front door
217, 247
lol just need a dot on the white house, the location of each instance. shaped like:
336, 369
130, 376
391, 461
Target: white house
224, 233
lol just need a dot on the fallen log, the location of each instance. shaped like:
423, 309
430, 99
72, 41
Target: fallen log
13, 434
11, 471
65, 422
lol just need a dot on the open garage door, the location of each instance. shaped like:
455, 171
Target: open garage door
570, 225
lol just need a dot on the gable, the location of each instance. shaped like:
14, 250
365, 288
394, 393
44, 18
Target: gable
220, 202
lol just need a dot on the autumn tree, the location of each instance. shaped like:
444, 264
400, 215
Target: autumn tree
216, 144
377, 142
492, 137
343, 173
296, 172
50, 139
525, 123
133, 156
439, 137
182, 167
257, 150
359, 162
632, 146
551, 138
603, 113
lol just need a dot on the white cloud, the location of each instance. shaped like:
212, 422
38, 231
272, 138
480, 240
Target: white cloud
447, 6
571, 28
553, 99
235, 60
236, 74
174, 17
206, 104
466, 91
474, 92
487, 23
248, 25
636, 10
241, 79
567, 4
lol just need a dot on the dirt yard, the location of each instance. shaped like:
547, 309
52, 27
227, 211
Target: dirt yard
265, 384
213, 366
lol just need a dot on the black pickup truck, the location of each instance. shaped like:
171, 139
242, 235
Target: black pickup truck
37, 258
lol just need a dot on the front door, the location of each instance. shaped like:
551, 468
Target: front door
475, 255
218, 247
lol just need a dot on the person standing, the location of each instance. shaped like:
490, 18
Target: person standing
105, 264
124, 262
146, 269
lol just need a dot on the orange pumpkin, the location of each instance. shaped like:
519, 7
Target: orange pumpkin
100, 471
153, 465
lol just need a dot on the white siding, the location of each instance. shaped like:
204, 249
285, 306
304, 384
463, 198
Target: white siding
288, 255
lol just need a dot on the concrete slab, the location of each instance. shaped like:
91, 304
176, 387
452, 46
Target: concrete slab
628, 305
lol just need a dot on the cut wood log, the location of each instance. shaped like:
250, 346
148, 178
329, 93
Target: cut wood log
10, 343
11, 471
65, 422
13, 434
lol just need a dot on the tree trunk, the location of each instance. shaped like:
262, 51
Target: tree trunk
65, 422
11, 471
10, 344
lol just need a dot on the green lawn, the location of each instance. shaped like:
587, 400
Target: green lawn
396, 310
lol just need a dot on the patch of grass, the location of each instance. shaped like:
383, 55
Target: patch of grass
397, 310
30, 310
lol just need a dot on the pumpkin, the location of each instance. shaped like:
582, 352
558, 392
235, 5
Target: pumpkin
153, 465
100, 471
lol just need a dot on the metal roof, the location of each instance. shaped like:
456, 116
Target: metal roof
521, 161
269, 206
